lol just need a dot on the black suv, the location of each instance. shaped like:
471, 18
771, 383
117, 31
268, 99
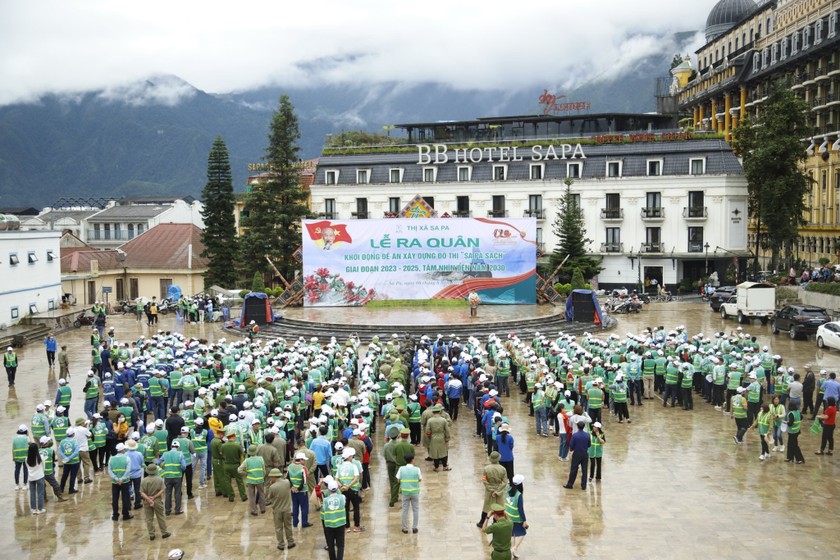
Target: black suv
799, 320
721, 296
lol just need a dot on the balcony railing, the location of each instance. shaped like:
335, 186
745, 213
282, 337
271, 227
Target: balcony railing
497, 213
653, 213
462, 214
653, 248
541, 247
612, 213
329, 215
612, 247
695, 246
538, 213
360, 215
697, 212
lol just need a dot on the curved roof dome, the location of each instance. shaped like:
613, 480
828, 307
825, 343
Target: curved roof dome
725, 14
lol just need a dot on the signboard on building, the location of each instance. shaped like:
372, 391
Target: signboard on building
351, 262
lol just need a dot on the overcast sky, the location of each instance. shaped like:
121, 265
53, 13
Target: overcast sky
67, 46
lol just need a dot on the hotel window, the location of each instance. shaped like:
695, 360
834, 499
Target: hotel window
806, 37
50, 256
362, 176
464, 173
653, 240
696, 204
818, 32
429, 174
97, 234
361, 208
574, 170
32, 257
462, 206
394, 205
107, 228
537, 171
396, 175
329, 209
13, 259
131, 231
756, 62
774, 53
783, 48
695, 240
498, 210
535, 206
794, 43
832, 24
430, 200
117, 231
697, 166
613, 243
499, 172
574, 203
654, 167
331, 177
737, 40
141, 228
765, 57
612, 206
613, 169
15, 312
653, 205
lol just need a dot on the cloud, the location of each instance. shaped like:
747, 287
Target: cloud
55, 46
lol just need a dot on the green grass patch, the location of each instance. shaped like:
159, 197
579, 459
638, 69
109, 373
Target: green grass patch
436, 303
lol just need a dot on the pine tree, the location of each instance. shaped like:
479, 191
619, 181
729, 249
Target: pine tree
219, 235
258, 284
278, 203
773, 154
569, 229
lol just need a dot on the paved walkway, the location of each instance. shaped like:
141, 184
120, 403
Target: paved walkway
674, 486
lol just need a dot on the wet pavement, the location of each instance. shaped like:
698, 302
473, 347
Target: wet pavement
674, 483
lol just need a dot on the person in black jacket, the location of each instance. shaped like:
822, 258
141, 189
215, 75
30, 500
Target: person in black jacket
808, 386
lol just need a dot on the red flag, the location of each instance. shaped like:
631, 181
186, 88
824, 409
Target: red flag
316, 229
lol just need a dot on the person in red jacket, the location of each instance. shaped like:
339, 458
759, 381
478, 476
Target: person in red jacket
828, 418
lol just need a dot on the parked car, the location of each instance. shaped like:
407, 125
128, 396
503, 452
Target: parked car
799, 320
721, 295
828, 335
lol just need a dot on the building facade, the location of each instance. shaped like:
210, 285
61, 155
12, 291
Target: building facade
751, 46
656, 205
30, 274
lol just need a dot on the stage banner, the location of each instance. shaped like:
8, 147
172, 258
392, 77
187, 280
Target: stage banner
351, 262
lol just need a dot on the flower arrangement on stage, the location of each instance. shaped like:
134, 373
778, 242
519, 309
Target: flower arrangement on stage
474, 299
325, 287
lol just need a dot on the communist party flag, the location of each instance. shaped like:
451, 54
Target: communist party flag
340, 230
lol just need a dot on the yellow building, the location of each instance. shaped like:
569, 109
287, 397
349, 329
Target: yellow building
751, 46
167, 254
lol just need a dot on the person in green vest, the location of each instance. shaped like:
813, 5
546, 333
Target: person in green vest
187, 451
595, 398
596, 451
409, 477
777, 409
764, 420
501, 529
732, 384
686, 385
515, 510
10, 362
334, 520
64, 395
40, 423
298, 476
253, 469
794, 422
414, 417
739, 413
174, 466
619, 399
48, 457
68, 451
91, 390
120, 484
161, 435
232, 458
20, 448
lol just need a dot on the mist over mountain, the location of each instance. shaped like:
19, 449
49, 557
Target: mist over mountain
153, 137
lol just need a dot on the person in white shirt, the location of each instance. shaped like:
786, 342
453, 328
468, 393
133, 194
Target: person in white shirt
81, 436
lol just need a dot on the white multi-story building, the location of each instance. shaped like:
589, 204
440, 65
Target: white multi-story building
656, 204
30, 274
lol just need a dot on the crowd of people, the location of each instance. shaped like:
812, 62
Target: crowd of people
285, 425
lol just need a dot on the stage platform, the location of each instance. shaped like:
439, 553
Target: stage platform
498, 319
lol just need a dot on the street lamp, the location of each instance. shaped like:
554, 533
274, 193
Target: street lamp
641, 287
706, 247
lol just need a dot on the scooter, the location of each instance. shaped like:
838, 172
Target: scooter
83, 319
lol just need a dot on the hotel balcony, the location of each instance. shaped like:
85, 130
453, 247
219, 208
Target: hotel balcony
695, 212
538, 213
612, 214
612, 247
653, 214
653, 248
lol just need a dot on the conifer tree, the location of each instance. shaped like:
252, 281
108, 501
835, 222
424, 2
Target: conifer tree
219, 235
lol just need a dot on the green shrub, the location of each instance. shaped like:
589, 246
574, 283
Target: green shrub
831, 288
578, 283
563, 289
242, 293
785, 296
824, 260
258, 285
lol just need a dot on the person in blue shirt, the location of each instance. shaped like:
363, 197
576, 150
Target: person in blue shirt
323, 452
579, 446
504, 443
454, 388
51, 345
135, 470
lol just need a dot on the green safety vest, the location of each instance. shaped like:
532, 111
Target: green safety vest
149, 446
793, 427
255, 469
537, 399
596, 397
59, 426
199, 441
118, 465
688, 378
409, 480
332, 511
68, 447
20, 448
734, 380
764, 422
48, 457
39, 422
100, 434
189, 418
512, 507
171, 464
781, 384
414, 412
10, 359
185, 449
155, 389
649, 367
754, 392
64, 396
619, 393
672, 374
739, 409
161, 436
93, 389
188, 382
596, 448
347, 471
295, 473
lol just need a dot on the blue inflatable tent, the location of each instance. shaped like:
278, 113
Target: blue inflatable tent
582, 306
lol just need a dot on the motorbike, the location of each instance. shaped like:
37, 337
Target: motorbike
624, 305
166, 305
83, 319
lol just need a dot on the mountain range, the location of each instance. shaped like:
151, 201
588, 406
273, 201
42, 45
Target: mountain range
153, 137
